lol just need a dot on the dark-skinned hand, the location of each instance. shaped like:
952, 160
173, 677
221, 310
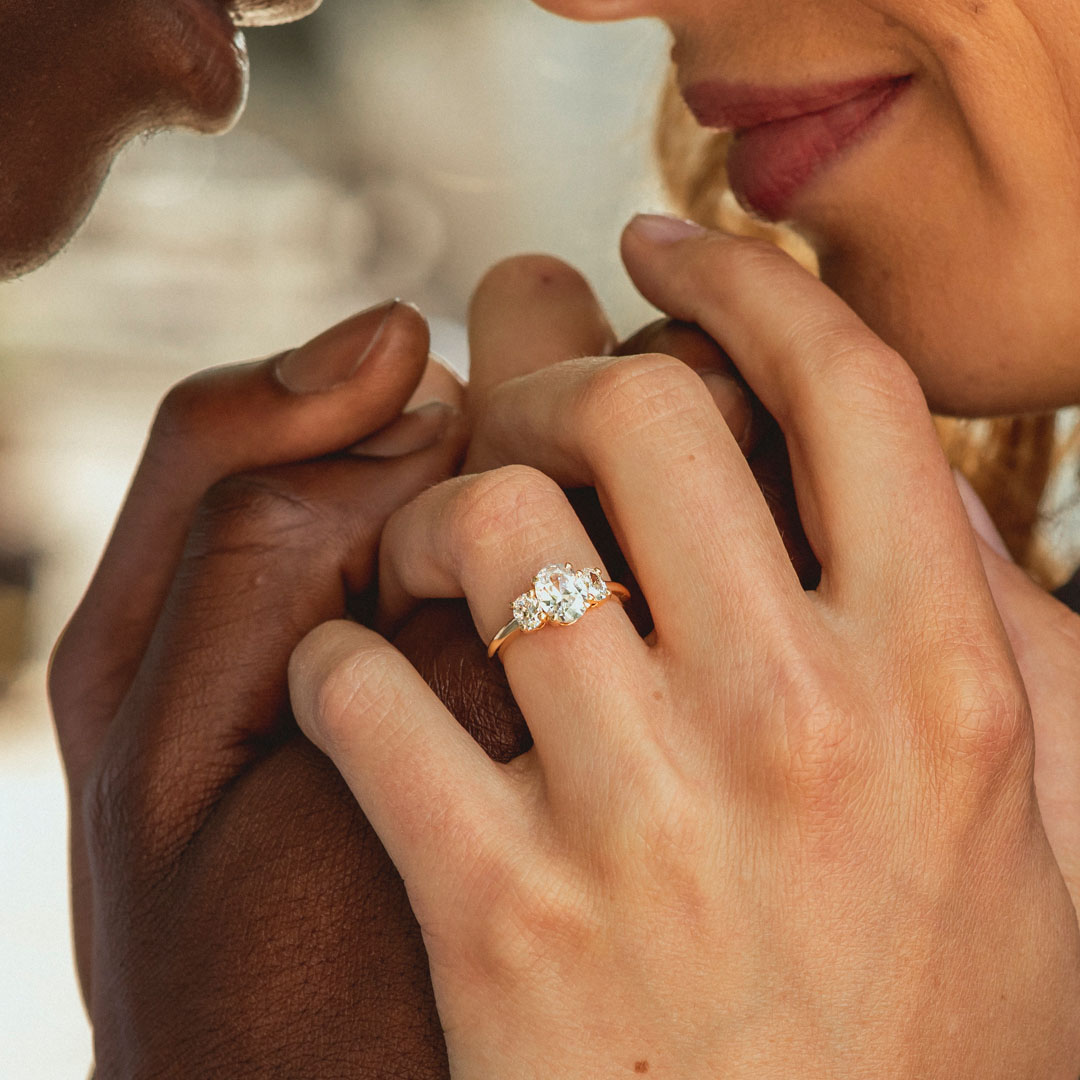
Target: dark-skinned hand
234, 913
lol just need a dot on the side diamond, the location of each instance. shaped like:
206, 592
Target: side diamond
595, 586
527, 611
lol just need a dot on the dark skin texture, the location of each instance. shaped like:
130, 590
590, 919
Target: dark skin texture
79, 79
236, 914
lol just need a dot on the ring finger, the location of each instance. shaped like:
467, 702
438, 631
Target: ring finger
484, 537
680, 495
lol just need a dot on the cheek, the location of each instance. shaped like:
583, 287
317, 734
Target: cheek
960, 243
985, 315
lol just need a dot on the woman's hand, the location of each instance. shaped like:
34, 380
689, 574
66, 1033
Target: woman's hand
533, 312
794, 831
1045, 639
234, 913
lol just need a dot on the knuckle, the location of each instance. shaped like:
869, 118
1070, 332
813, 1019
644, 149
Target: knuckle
253, 511
971, 705
185, 414
990, 736
522, 926
868, 375
627, 395
827, 756
123, 810
357, 684
512, 501
101, 809
824, 748
142, 815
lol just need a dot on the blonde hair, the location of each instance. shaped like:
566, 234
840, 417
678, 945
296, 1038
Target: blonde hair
1011, 461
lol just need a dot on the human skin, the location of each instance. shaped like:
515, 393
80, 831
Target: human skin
235, 913
80, 78
954, 230
70, 210
787, 823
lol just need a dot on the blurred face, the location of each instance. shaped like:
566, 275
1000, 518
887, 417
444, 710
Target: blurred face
929, 149
79, 78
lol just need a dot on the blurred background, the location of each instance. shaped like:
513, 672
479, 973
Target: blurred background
391, 147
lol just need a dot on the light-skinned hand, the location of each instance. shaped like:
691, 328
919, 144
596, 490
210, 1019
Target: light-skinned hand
792, 830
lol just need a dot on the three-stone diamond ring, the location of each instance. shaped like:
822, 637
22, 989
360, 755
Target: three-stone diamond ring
560, 596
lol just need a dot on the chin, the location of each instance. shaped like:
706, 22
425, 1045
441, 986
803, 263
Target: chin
977, 348
85, 88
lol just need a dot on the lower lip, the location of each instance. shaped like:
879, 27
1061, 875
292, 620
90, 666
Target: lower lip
770, 165
206, 57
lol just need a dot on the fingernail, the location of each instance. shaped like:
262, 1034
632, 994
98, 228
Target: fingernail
413, 431
335, 356
665, 228
979, 516
733, 403
438, 383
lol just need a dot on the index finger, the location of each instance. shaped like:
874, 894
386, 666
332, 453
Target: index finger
875, 492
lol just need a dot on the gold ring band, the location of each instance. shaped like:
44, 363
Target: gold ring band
560, 596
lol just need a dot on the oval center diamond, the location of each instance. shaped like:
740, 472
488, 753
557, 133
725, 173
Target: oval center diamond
563, 594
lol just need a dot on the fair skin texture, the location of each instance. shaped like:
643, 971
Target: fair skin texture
757, 820
955, 232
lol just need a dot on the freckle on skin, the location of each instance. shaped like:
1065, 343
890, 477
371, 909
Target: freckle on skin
658, 695
641, 1066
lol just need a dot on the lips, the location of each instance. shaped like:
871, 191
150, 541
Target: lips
200, 55
784, 139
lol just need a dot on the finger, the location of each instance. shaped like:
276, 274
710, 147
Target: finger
875, 492
534, 311
439, 383
1045, 639
271, 555
412, 431
484, 537
344, 385
425, 785
754, 429
529, 312
681, 497
740, 407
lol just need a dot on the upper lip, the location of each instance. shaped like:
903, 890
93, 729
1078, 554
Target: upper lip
730, 106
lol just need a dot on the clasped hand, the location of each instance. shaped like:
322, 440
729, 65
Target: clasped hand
789, 826
787, 829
